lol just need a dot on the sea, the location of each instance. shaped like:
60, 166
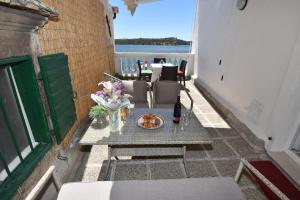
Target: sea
153, 48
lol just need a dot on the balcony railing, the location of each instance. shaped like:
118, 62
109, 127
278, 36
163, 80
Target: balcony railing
126, 62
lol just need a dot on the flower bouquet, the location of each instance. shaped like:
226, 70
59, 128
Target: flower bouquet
112, 98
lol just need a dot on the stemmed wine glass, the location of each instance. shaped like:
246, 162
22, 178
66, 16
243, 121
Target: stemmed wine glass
187, 117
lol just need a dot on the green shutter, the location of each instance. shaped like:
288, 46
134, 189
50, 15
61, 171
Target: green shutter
57, 83
28, 89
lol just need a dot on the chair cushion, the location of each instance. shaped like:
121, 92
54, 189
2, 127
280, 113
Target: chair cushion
137, 89
146, 72
213, 188
166, 92
275, 176
179, 72
168, 73
128, 87
140, 89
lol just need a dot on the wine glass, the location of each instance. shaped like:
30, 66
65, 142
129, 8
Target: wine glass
187, 117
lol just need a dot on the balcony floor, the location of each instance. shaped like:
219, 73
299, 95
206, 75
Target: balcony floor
219, 159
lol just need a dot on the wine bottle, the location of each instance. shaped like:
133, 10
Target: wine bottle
177, 111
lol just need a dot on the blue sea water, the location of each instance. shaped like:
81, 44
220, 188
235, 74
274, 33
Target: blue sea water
153, 48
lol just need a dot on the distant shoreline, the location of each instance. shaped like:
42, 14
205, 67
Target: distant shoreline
154, 44
153, 48
171, 41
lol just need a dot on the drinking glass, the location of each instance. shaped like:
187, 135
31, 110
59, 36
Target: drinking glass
124, 112
187, 117
131, 110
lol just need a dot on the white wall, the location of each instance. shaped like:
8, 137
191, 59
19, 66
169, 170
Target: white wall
260, 54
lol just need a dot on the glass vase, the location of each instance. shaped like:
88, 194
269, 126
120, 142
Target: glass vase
114, 120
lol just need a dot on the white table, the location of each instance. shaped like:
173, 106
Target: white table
156, 70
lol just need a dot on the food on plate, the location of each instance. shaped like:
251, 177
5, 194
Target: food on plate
150, 121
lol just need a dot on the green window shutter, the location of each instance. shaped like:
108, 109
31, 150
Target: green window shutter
59, 92
28, 89
13, 60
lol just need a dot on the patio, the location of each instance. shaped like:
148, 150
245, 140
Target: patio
245, 89
220, 159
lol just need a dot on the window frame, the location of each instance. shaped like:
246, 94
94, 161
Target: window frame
17, 176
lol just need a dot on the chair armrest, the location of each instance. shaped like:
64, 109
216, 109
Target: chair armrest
43, 182
259, 175
192, 101
111, 78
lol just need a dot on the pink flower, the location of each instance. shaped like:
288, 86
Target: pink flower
106, 84
118, 93
99, 93
112, 95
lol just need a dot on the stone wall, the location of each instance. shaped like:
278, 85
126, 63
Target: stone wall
17, 37
80, 32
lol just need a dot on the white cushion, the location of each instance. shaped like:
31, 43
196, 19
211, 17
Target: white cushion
213, 188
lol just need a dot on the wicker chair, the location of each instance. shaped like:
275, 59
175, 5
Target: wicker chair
159, 60
165, 94
143, 73
270, 178
168, 73
181, 71
138, 89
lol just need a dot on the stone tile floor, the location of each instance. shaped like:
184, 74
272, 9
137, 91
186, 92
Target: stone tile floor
219, 159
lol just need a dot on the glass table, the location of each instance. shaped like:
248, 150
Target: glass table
131, 140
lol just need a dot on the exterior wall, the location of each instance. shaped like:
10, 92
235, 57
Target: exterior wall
259, 52
81, 33
16, 40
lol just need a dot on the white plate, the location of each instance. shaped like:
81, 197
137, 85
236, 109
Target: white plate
141, 122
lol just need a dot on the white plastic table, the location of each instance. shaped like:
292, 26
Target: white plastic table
156, 70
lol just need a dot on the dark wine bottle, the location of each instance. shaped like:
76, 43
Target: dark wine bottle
177, 111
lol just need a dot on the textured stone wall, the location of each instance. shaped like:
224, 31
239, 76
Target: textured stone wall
80, 33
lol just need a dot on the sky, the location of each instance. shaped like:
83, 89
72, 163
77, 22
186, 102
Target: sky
165, 18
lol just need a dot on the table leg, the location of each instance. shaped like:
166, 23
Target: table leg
184, 161
108, 164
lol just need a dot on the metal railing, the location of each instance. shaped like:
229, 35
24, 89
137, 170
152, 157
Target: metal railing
126, 62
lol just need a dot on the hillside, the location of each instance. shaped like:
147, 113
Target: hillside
153, 41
